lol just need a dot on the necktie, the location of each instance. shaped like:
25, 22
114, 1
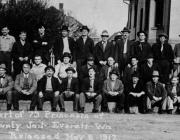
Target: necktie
26, 84
162, 47
104, 46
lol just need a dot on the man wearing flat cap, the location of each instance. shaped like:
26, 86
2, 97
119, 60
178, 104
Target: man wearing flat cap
85, 47
41, 44
103, 49
64, 44
6, 86
141, 48
48, 89
69, 90
163, 56
156, 94
122, 50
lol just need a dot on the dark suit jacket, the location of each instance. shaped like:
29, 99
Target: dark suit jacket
118, 87
143, 53
85, 85
84, 50
101, 55
166, 54
42, 84
7, 83
74, 85
120, 48
59, 47
137, 89
19, 50
159, 91
19, 82
169, 91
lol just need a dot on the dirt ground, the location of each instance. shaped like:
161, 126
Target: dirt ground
26, 125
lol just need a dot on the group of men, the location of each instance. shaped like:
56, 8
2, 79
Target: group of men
130, 73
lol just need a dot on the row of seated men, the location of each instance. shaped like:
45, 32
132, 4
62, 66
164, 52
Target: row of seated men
139, 86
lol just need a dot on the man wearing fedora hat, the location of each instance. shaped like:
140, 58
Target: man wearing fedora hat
136, 94
177, 58
141, 48
6, 86
122, 53
85, 47
103, 49
69, 89
64, 44
113, 90
164, 56
156, 94
41, 44
60, 69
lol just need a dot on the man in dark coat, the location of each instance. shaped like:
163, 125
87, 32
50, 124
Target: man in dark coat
85, 47
141, 48
21, 52
91, 89
41, 44
163, 55
103, 50
64, 44
48, 89
123, 47
69, 89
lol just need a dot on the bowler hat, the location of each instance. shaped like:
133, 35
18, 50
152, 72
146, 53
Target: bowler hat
155, 73
49, 67
84, 28
163, 34
70, 69
105, 33
64, 27
138, 33
114, 71
125, 29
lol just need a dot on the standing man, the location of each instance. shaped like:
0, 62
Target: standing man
141, 48
63, 45
48, 89
6, 86
122, 53
156, 94
25, 87
164, 56
6, 44
103, 50
85, 47
41, 44
21, 52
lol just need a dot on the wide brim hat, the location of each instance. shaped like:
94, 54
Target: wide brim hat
3, 66
65, 28
70, 69
155, 74
114, 71
125, 29
138, 33
84, 28
163, 34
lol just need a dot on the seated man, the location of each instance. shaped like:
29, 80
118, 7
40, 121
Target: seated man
38, 67
25, 87
6, 85
173, 91
70, 89
60, 68
113, 91
48, 89
136, 94
105, 70
156, 94
91, 91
